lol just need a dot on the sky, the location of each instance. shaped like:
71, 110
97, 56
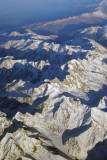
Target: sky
17, 6
23, 12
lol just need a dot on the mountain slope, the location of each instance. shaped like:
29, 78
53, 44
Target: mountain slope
53, 99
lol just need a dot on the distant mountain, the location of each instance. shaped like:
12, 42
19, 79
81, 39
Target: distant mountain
99, 34
96, 33
69, 25
53, 97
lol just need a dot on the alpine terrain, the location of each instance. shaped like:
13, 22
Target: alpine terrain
53, 96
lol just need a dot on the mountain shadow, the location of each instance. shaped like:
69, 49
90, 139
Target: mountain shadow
99, 152
94, 97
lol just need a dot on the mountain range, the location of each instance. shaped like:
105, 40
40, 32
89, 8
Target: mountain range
53, 80
53, 96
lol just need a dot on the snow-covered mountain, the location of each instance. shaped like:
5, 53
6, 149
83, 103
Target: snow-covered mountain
53, 98
95, 14
99, 34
